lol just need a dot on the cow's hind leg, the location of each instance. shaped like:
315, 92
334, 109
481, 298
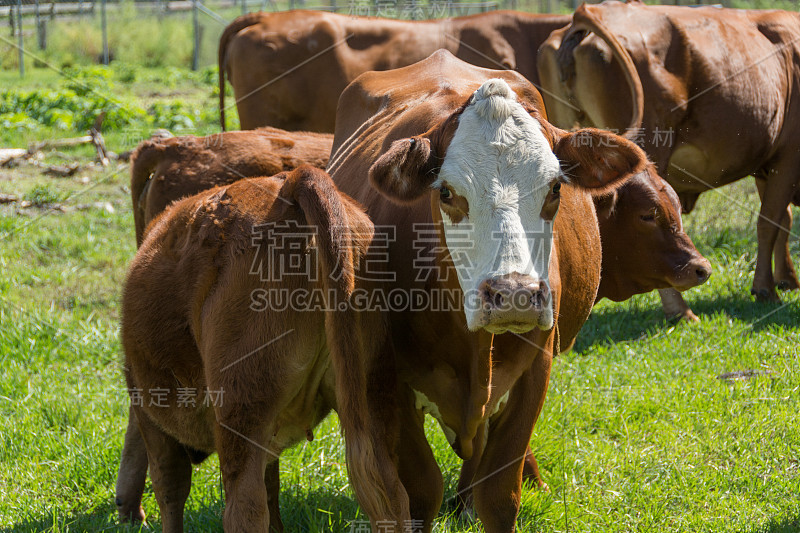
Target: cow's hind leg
243, 454
170, 472
785, 274
132, 474
776, 195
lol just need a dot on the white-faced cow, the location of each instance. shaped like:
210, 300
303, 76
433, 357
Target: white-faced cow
466, 154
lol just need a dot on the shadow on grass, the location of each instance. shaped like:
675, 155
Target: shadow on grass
744, 309
619, 323
784, 524
317, 509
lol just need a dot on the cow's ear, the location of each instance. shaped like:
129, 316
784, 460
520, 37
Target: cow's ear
406, 171
604, 204
597, 159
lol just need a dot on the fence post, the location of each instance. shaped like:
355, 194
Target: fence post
19, 39
38, 21
196, 24
105, 31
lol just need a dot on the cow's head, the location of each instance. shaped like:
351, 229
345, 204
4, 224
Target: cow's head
497, 167
644, 245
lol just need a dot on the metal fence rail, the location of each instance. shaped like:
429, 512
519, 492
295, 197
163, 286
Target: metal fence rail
206, 19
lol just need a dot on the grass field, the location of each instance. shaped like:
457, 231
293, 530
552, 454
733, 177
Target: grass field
638, 433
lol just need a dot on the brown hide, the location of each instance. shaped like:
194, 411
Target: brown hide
435, 353
165, 170
724, 82
289, 68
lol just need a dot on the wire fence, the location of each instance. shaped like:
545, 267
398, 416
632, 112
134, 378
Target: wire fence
186, 32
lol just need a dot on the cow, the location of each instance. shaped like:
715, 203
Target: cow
167, 169
289, 68
189, 324
468, 154
642, 213
713, 91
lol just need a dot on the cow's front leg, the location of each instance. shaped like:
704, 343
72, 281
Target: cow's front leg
418, 469
497, 485
272, 481
675, 306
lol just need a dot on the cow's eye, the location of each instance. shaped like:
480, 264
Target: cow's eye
649, 217
556, 188
445, 193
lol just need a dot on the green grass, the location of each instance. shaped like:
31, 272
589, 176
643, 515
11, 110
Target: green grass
637, 433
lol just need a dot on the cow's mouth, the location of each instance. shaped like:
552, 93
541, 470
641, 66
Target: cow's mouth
510, 327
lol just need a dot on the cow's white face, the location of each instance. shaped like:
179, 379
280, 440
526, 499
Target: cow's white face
497, 175
498, 186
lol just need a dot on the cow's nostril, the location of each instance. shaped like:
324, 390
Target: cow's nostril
702, 274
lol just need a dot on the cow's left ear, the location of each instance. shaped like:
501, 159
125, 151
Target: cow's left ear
597, 159
406, 171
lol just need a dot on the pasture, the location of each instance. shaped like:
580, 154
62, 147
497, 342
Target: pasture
648, 425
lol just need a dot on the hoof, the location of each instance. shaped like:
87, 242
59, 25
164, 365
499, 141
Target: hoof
131, 516
684, 316
788, 285
765, 295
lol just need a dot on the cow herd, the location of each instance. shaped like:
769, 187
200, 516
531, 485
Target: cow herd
433, 240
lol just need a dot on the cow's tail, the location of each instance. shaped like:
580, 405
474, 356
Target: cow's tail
585, 20
144, 161
238, 24
340, 242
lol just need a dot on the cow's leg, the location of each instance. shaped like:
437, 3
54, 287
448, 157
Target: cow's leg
243, 453
785, 275
464, 505
418, 470
272, 481
777, 193
132, 474
675, 306
170, 472
497, 487
530, 471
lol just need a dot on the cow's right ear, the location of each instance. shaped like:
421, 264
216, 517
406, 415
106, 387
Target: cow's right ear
406, 171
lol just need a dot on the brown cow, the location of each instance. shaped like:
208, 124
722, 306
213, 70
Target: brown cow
188, 324
289, 68
167, 169
715, 92
469, 155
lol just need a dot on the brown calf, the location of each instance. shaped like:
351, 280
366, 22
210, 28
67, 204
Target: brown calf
188, 324
165, 170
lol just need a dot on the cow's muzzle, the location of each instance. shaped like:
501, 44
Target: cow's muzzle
694, 273
515, 302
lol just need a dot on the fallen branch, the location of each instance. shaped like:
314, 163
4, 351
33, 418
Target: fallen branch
8, 198
62, 171
59, 143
